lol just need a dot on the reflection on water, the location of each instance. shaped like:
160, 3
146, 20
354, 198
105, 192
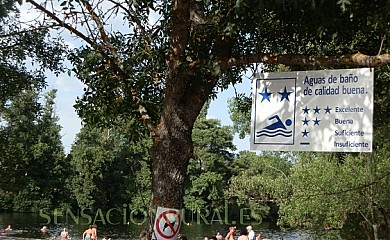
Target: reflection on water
29, 225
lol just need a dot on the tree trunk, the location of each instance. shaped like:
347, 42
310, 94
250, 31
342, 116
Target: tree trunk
170, 154
185, 95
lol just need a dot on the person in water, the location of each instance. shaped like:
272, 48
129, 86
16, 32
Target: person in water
44, 229
251, 233
94, 232
65, 235
87, 235
243, 235
231, 233
144, 235
181, 237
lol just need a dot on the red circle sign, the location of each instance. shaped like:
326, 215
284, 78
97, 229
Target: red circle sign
167, 227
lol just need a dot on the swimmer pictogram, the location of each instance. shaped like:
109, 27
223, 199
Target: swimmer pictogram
277, 128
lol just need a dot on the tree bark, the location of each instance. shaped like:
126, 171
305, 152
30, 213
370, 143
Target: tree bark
173, 146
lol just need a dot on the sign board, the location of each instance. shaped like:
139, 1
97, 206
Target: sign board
329, 111
167, 223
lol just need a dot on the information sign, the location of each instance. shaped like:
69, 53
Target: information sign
328, 110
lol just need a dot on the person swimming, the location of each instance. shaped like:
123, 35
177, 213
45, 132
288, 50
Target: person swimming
278, 124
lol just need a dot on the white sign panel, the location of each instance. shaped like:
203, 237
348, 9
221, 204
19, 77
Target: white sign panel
329, 110
167, 224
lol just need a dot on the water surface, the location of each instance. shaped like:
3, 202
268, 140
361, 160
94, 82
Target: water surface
27, 226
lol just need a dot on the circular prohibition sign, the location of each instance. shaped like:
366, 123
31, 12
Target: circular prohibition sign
173, 226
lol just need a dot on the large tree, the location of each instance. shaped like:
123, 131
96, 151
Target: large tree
108, 164
32, 165
161, 60
23, 119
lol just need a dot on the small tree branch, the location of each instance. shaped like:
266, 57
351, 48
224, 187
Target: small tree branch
28, 30
133, 17
343, 191
103, 34
62, 23
87, 25
117, 63
357, 59
382, 41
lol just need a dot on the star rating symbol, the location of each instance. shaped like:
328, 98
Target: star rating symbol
308, 118
305, 110
265, 95
305, 122
285, 94
316, 110
305, 133
327, 109
316, 122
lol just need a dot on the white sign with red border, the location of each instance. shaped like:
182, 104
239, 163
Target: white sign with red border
167, 223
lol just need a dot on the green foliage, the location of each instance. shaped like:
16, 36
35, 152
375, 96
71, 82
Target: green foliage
142, 189
21, 48
220, 30
110, 168
381, 99
257, 180
139, 67
109, 92
6, 6
210, 168
329, 199
32, 163
240, 112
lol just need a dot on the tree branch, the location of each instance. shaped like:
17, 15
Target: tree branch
357, 59
103, 34
62, 23
116, 64
133, 17
179, 33
363, 186
28, 30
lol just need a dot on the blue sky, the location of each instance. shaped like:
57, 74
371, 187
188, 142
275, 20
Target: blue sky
219, 109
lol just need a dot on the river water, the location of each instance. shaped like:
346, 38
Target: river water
27, 226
